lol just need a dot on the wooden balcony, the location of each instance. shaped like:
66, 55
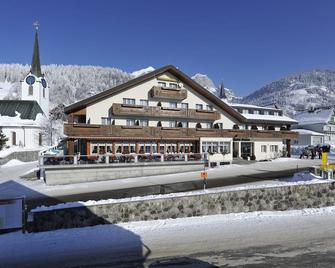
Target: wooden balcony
162, 112
168, 93
106, 132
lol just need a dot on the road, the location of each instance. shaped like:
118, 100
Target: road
38, 193
303, 238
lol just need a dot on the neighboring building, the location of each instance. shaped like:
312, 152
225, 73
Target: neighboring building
21, 120
165, 112
308, 137
318, 120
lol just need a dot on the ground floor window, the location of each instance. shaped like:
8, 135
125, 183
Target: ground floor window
222, 147
263, 148
274, 148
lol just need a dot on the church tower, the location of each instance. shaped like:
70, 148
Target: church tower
34, 86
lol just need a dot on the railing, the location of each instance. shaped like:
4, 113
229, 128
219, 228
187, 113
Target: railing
163, 112
138, 132
47, 160
168, 93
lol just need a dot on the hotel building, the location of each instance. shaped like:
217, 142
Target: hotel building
165, 112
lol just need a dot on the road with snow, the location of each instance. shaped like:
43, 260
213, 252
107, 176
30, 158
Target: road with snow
301, 238
38, 193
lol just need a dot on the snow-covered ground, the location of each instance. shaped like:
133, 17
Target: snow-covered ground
172, 237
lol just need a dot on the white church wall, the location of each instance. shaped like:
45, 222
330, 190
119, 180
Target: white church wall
27, 136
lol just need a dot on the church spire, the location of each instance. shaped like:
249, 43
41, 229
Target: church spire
35, 64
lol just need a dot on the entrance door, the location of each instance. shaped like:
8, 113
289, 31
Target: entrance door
246, 149
236, 149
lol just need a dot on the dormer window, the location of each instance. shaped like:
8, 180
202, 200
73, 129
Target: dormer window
256, 111
276, 114
245, 111
162, 84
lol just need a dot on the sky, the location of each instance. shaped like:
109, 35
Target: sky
244, 43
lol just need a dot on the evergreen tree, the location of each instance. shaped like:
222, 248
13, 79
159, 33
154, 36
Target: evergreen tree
3, 140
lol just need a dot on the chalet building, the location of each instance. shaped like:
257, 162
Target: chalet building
319, 120
165, 112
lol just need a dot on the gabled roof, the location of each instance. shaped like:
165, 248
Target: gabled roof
184, 78
318, 116
141, 79
27, 108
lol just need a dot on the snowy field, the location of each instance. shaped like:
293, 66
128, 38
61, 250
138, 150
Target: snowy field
292, 232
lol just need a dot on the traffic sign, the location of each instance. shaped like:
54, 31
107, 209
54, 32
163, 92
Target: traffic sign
204, 174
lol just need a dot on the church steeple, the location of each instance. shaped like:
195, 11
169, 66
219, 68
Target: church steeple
36, 64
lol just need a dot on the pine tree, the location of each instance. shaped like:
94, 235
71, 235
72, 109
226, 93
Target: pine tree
3, 140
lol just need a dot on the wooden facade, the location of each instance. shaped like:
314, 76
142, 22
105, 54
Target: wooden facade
163, 112
168, 93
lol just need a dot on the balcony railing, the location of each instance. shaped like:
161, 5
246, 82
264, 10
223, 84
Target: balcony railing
168, 93
137, 132
163, 112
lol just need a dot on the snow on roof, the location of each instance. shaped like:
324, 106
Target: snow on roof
303, 131
265, 117
242, 105
18, 121
320, 116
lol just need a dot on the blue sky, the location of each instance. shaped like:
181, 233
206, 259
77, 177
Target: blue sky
247, 44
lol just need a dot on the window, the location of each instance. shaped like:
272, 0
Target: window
144, 102
274, 148
129, 101
13, 138
173, 85
30, 91
173, 104
266, 112
130, 122
256, 112
245, 111
263, 148
43, 92
209, 125
184, 124
143, 122
106, 120
276, 114
216, 147
172, 124
162, 84
94, 149
199, 106
184, 106
209, 108
40, 139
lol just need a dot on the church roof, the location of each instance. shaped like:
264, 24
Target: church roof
35, 63
27, 108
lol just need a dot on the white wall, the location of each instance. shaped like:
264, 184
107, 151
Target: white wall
96, 111
268, 154
27, 136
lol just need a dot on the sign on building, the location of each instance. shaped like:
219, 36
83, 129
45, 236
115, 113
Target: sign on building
11, 213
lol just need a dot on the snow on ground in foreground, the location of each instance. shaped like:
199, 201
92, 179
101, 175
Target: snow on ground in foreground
97, 234
300, 178
8, 151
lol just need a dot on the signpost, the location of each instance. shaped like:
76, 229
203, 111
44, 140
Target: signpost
12, 213
204, 175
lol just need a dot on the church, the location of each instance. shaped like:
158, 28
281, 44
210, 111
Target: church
22, 120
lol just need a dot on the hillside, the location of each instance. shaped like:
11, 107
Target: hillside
298, 92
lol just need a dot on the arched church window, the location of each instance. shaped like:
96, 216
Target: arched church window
43, 92
30, 91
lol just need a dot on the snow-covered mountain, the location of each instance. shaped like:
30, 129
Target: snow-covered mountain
298, 92
205, 81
